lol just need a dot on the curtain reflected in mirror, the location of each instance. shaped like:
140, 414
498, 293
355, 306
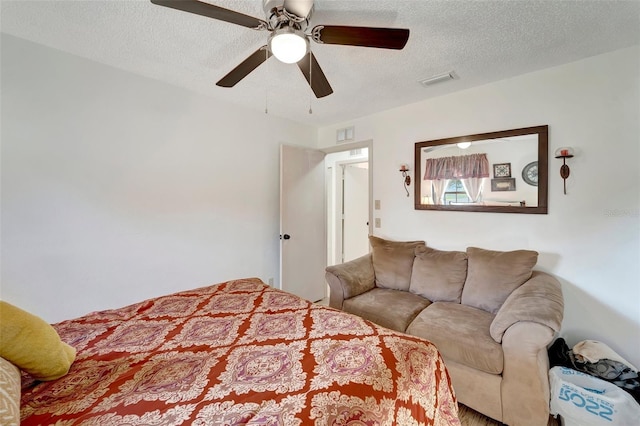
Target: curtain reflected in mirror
502, 171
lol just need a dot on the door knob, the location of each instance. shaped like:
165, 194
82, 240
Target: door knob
285, 236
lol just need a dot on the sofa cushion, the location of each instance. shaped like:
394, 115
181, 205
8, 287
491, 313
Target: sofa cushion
461, 333
392, 262
493, 275
389, 308
438, 275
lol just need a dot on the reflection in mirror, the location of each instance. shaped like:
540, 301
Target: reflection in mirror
492, 172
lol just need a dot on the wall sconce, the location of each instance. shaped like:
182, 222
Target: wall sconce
564, 153
404, 169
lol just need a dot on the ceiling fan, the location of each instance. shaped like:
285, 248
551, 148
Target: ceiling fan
287, 21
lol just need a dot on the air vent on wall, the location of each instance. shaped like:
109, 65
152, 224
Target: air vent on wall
345, 135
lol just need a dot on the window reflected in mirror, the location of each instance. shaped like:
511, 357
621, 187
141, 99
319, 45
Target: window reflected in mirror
493, 172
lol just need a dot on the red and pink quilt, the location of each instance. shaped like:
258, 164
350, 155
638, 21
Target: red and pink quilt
240, 353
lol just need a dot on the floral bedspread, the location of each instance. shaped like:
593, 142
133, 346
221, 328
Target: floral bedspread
240, 353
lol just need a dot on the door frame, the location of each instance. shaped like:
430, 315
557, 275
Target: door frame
348, 147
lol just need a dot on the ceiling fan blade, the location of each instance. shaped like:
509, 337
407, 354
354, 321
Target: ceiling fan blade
300, 8
245, 67
385, 38
314, 75
215, 12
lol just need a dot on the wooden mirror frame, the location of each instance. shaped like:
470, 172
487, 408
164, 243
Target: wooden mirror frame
543, 153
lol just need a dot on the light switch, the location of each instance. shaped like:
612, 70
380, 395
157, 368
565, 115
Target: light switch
377, 222
376, 204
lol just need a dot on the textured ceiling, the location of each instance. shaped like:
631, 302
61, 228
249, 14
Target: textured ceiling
481, 41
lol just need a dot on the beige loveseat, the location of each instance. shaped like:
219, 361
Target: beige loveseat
490, 315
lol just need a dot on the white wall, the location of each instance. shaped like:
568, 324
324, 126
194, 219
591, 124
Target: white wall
116, 188
591, 237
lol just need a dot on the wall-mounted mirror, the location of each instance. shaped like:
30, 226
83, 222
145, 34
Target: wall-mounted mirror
499, 172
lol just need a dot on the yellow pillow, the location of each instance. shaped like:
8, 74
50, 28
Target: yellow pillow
33, 345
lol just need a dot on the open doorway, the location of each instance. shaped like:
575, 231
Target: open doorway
348, 188
312, 210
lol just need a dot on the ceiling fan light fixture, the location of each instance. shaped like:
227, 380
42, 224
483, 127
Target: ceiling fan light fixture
286, 22
288, 45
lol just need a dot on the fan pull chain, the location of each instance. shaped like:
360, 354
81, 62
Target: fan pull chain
266, 86
310, 80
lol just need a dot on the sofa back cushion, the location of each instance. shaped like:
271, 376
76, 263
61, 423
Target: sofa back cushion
438, 275
493, 275
393, 261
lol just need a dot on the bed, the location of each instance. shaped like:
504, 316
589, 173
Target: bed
240, 353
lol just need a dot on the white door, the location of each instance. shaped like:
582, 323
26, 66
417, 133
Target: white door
355, 206
302, 222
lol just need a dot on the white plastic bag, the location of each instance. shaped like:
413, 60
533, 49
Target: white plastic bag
585, 400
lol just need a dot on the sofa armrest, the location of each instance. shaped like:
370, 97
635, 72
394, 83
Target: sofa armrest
538, 300
525, 376
349, 279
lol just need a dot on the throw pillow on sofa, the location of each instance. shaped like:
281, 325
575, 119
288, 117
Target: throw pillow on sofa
493, 275
438, 275
393, 261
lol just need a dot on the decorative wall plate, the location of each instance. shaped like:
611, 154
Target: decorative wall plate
530, 173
